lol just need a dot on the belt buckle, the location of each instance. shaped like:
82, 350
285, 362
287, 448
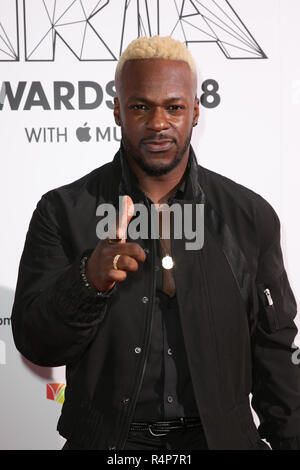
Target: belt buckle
153, 434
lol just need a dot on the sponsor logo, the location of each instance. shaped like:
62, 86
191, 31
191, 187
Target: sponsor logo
2, 353
83, 133
56, 392
51, 135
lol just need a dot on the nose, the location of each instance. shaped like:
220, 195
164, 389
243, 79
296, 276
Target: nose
158, 120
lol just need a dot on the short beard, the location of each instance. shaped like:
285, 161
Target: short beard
150, 170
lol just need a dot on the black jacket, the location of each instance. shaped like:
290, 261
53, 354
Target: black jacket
237, 344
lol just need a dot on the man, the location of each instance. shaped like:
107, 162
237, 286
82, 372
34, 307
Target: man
161, 356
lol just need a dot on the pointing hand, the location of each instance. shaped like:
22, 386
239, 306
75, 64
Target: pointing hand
100, 270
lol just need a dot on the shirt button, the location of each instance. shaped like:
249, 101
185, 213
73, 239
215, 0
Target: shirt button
170, 352
137, 350
112, 448
126, 400
170, 399
145, 300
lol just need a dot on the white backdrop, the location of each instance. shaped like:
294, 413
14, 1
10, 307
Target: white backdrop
249, 48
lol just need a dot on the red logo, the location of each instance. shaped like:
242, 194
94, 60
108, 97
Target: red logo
56, 392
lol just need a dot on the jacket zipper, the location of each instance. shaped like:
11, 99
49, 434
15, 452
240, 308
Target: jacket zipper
127, 418
270, 307
268, 295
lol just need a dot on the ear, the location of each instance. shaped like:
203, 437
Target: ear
196, 111
117, 111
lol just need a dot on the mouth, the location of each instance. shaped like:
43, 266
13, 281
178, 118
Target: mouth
157, 146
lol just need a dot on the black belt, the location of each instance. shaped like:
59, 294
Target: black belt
161, 428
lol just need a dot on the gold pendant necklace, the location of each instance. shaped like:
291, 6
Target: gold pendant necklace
167, 260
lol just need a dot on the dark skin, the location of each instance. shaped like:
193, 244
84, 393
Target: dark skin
156, 108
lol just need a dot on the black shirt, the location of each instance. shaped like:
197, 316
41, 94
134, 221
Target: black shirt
167, 391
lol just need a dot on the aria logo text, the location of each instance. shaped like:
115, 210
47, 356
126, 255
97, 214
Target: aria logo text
59, 95
85, 95
80, 27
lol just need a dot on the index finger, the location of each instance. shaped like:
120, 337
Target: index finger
127, 211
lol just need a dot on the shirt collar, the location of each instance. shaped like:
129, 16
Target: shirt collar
129, 182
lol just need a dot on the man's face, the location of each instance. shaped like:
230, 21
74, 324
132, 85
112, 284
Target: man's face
156, 109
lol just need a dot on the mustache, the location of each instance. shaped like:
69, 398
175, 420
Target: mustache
157, 138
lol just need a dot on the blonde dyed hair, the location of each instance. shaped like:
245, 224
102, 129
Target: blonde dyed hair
156, 47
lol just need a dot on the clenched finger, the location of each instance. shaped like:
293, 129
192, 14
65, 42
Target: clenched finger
127, 263
134, 250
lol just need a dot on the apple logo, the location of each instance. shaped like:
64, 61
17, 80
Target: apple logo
83, 133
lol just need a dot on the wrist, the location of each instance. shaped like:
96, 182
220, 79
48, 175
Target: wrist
85, 280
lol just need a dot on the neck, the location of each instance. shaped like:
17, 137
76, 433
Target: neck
160, 188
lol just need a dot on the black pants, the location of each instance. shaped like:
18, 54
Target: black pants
189, 439
142, 440
181, 439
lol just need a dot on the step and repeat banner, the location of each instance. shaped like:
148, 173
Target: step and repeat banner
57, 62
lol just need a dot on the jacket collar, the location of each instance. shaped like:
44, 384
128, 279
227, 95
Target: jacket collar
128, 183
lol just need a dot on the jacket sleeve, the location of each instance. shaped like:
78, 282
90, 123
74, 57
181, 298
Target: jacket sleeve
276, 370
54, 316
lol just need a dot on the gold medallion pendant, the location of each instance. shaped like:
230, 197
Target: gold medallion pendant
167, 262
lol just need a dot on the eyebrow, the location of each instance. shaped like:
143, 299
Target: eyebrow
144, 100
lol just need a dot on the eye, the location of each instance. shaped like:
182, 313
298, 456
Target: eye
175, 107
142, 107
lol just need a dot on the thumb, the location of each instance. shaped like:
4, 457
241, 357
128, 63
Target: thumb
127, 211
